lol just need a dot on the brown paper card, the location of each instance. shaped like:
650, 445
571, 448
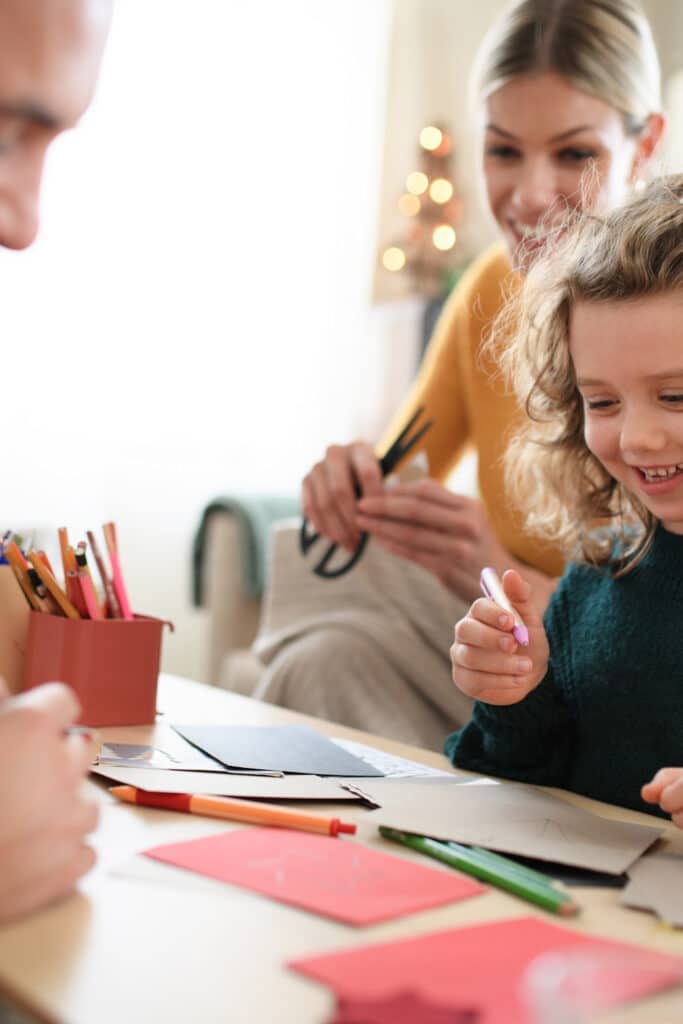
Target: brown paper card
656, 884
14, 618
257, 787
510, 818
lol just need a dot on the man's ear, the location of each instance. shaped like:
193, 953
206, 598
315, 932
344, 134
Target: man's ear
648, 140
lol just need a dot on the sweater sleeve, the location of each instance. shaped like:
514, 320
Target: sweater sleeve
441, 385
530, 742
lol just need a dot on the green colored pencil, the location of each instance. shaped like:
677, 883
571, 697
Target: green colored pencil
513, 865
495, 870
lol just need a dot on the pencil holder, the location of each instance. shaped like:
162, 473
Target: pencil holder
14, 618
112, 664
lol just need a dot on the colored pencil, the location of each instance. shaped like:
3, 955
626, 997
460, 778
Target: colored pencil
495, 870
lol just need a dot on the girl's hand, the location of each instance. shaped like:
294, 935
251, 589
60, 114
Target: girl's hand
666, 789
488, 663
448, 534
329, 493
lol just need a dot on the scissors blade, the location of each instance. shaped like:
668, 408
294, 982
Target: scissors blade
398, 449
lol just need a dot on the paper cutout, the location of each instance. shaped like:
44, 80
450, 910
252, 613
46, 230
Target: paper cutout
401, 1008
511, 818
334, 877
284, 748
256, 787
482, 966
656, 884
152, 747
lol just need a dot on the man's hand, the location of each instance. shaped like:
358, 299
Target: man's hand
43, 817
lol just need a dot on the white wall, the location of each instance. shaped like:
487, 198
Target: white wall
204, 264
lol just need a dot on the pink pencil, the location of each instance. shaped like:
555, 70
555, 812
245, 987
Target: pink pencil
89, 594
119, 586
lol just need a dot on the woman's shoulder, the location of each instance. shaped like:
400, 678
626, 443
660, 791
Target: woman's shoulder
488, 280
491, 268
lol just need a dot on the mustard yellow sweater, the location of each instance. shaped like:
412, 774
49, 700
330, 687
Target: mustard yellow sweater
468, 403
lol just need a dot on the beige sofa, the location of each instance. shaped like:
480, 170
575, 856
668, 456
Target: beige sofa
233, 613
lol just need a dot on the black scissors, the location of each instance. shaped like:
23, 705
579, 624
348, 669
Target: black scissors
307, 537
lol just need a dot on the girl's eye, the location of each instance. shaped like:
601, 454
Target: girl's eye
673, 399
596, 404
577, 154
503, 152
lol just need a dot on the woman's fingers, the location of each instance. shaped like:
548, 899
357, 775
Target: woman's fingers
329, 491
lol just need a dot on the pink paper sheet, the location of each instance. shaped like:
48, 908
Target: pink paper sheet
481, 967
338, 878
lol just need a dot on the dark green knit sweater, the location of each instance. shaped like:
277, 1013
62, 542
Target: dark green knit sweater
609, 712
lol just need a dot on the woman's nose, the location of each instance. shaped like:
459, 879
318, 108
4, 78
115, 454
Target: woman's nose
536, 187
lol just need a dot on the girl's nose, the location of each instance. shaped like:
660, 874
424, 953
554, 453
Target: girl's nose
641, 434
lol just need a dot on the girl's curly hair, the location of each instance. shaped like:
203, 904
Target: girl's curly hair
632, 252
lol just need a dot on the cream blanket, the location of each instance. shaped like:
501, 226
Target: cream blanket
369, 649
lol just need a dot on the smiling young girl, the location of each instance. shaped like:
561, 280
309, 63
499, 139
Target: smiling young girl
593, 703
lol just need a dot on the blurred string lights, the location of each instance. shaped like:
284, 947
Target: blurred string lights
432, 210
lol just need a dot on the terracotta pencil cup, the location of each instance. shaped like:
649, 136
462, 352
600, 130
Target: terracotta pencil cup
112, 665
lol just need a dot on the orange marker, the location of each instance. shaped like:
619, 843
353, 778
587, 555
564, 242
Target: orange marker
234, 810
53, 587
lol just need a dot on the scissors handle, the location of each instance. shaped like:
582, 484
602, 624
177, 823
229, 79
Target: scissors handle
308, 537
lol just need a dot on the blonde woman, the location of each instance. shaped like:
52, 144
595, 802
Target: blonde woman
592, 704
570, 105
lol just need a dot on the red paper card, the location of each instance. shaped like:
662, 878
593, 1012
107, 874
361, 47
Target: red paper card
335, 877
482, 967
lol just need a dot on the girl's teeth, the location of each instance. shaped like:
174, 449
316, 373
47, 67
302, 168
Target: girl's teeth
661, 472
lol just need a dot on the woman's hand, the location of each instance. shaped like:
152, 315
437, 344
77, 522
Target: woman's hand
448, 534
666, 789
329, 493
488, 663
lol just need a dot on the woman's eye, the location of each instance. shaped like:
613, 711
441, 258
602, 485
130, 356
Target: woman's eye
577, 154
673, 399
502, 152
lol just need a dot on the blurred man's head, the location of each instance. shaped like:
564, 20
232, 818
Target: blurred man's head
50, 51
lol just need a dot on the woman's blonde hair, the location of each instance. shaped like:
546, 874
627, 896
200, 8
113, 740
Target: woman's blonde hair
604, 47
633, 252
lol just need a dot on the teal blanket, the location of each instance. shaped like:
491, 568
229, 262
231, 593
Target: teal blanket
255, 516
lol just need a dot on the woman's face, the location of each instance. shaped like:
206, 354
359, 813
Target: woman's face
548, 146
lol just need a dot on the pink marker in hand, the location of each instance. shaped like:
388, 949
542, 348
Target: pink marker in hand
493, 588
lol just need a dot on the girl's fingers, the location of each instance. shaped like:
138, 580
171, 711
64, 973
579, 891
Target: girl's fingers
652, 790
671, 798
489, 663
519, 593
484, 612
